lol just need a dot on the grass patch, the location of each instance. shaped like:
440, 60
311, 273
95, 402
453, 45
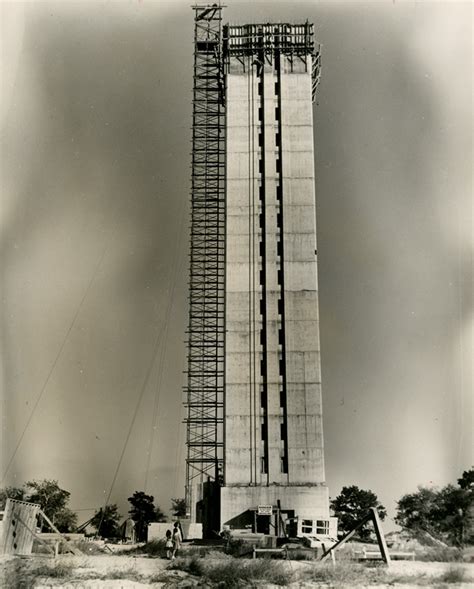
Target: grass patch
235, 546
23, 574
192, 565
229, 573
239, 573
300, 554
54, 571
90, 548
159, 578
452, 575
350, 575
344, 574
156, 548
123, 574
14, 576
440, 554
130, 574
187, 550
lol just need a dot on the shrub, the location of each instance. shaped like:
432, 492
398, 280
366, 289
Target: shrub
196, 567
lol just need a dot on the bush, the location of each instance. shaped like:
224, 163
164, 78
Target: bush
196, 567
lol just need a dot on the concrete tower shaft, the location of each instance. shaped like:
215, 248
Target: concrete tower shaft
273, 415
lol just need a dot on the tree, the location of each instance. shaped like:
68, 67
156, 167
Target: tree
352, 505
52, 499
143, 512
467, 479
453, 514
178, 507
159, 515
416, 511
106, 521
17, 493
66, 520
443, 513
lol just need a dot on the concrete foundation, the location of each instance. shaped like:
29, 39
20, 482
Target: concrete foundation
238, 504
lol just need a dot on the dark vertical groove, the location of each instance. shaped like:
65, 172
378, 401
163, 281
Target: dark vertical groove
263, 271
281, 274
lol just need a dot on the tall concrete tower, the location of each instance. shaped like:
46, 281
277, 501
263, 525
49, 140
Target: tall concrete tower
255, 439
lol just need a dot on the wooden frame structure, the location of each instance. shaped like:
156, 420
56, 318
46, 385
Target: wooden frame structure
19, 529
371, 516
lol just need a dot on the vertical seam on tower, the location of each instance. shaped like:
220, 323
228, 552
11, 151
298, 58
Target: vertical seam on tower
284, 400
254, 396
263, 277
251, 277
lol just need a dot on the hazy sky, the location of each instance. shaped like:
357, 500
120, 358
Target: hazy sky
95, 154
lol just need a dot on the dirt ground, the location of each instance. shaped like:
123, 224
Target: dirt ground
139, 572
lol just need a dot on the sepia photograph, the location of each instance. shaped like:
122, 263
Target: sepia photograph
237, 311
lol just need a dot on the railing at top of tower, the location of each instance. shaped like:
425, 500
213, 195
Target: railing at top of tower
284, 38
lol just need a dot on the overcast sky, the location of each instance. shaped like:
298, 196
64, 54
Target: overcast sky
95, 153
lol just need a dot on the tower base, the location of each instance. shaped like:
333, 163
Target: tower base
269, 509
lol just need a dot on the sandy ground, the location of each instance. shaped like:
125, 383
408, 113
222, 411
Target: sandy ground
154, 569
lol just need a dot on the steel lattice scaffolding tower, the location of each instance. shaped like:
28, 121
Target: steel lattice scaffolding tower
205, 367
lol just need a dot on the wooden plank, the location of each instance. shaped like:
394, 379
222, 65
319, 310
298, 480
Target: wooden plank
374, 516
347, 537
270, 550
70, 547
380, 535
35, 536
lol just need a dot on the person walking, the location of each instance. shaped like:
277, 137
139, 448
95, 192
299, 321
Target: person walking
177, 540
169, 545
